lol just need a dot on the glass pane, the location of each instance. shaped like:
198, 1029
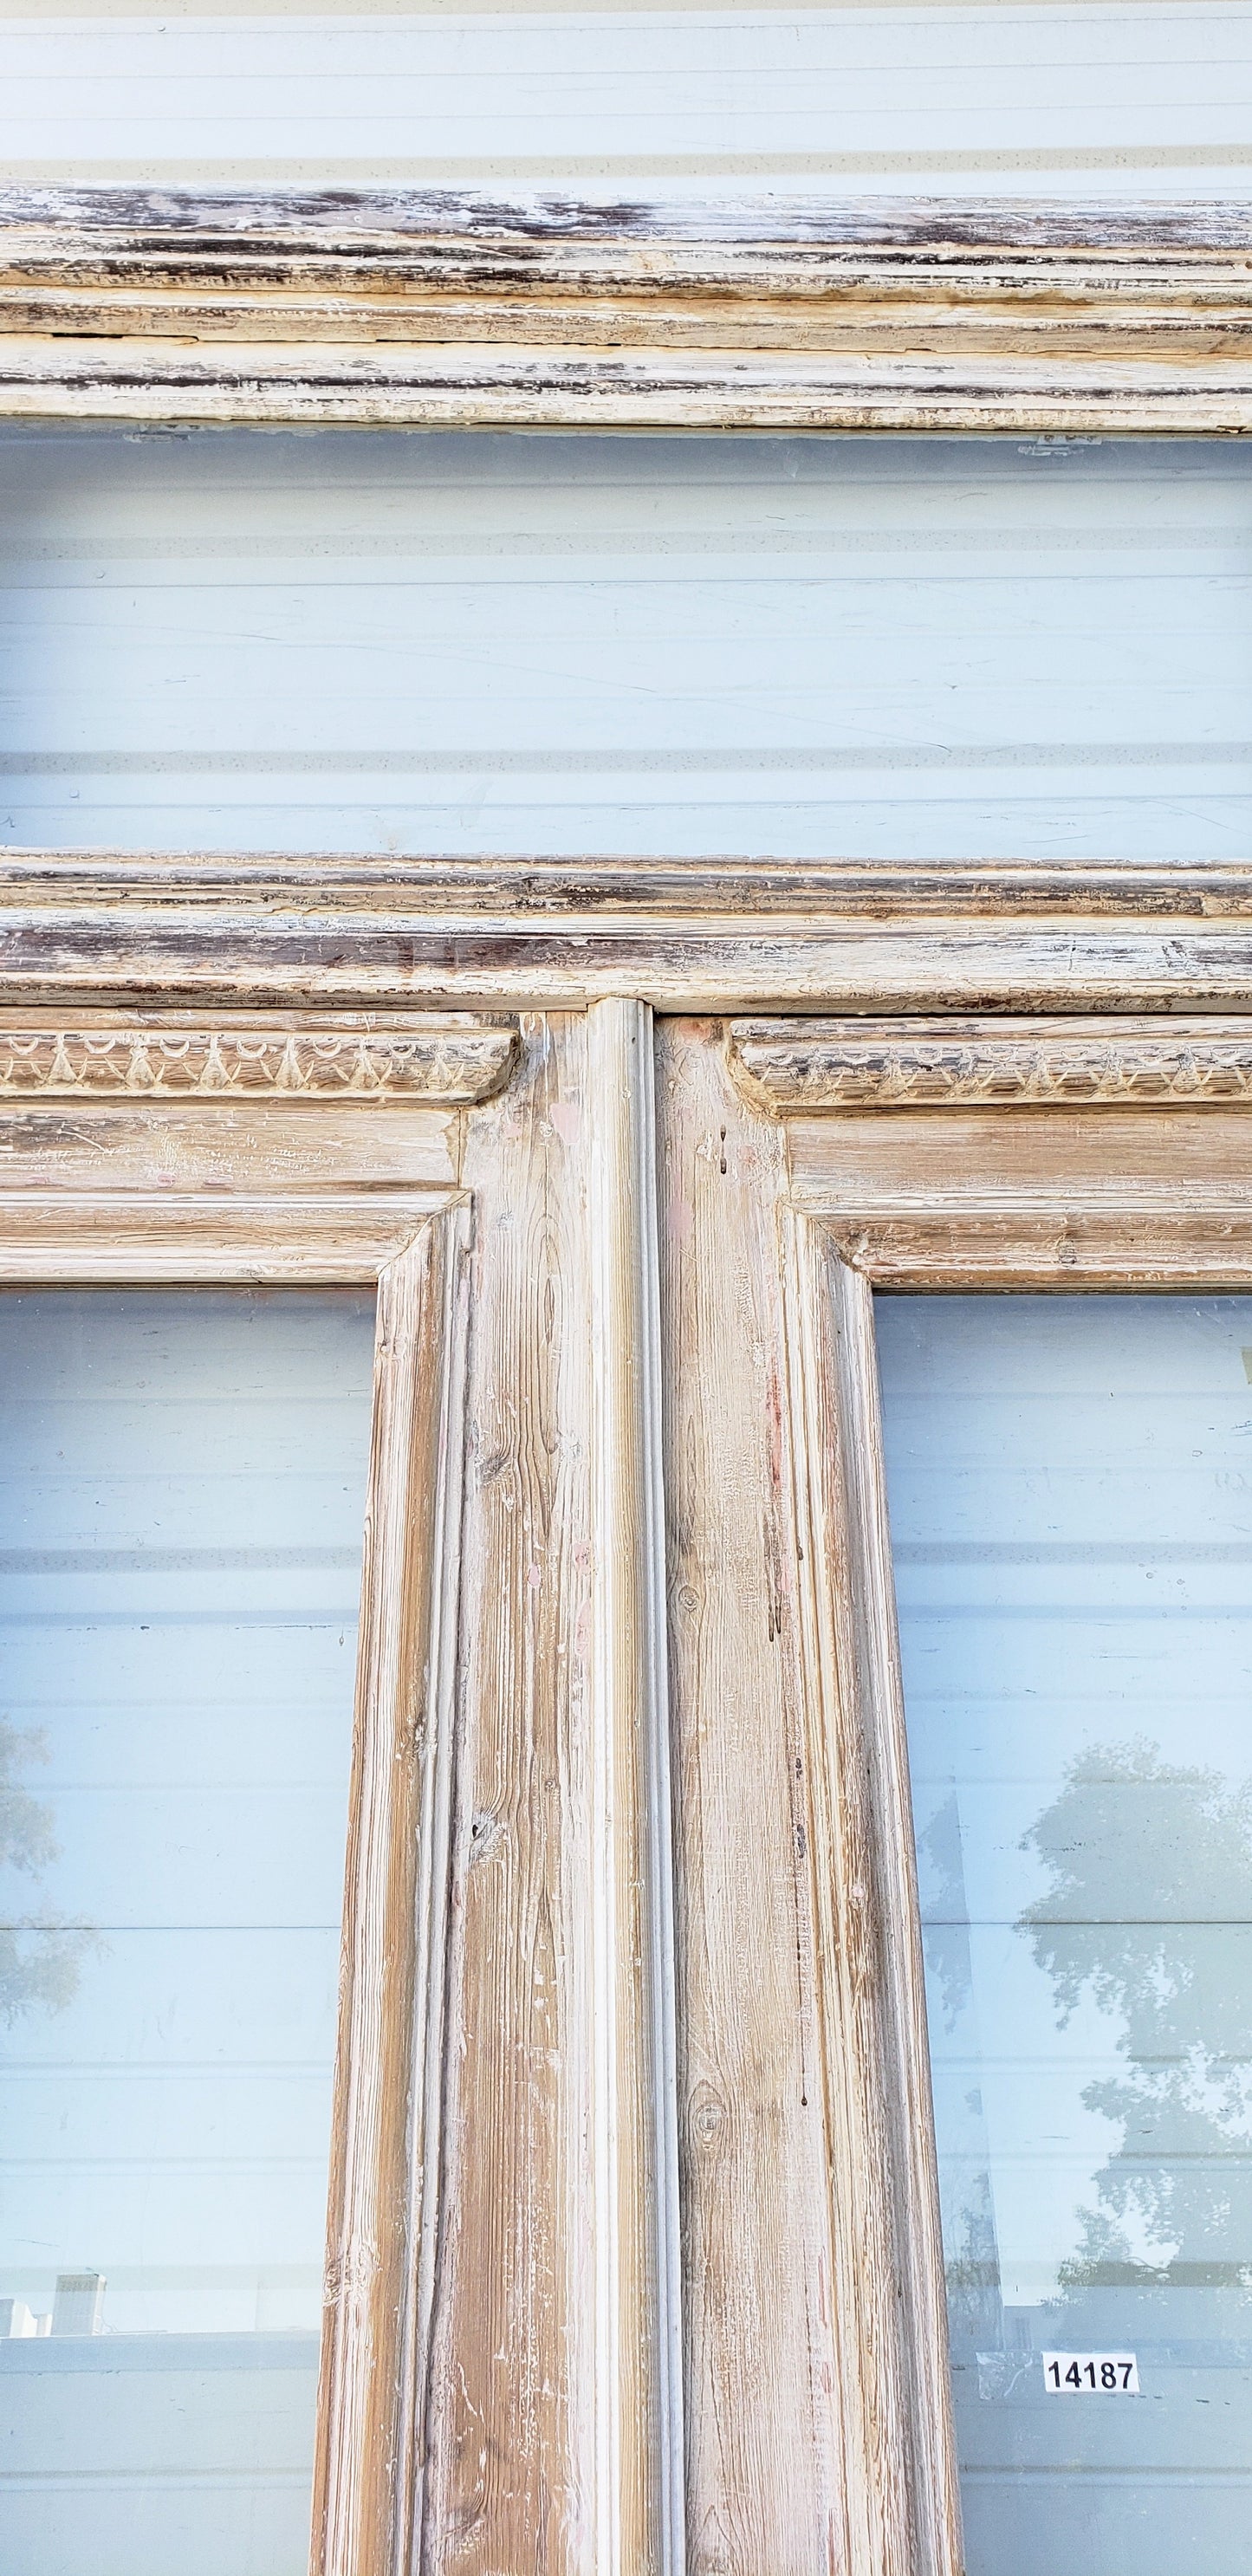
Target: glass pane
182, 1495
1070, 1485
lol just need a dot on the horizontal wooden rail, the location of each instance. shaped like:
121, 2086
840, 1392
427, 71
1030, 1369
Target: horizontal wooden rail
431, 307
305, 941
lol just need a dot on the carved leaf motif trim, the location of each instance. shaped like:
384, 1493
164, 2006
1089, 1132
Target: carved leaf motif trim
451, 1066
1042, 1064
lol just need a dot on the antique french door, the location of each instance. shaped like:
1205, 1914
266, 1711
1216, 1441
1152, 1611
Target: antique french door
643, 1363
640, 1365
986, 1284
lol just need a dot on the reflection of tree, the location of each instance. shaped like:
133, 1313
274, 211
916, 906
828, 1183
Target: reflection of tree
972, 2262
972, 2274
1135, 1849
945, 1909
42, 1970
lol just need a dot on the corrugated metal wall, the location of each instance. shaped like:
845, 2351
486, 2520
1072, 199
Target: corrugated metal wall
1031, 99
510, 643
523, 643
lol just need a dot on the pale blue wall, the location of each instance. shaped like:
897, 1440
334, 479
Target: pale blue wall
629, 645
501, 643
1065, 97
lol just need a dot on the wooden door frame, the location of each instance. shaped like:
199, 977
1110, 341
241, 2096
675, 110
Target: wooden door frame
503, 2196
665, 2153
665, 2182
810, 1163
954, 1156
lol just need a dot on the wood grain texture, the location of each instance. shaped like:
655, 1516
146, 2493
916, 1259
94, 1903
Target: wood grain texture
538, 891
309, 936
766, 2484
502, 2370
118, 1238
436, 308
448, 1064
509, 2432
890, 2318
240, 1148
504, 2386
638, 2358
385, 2161
550, 2411
981, 1197
385, 2139
1095, 1063
198, 889
1097, 1249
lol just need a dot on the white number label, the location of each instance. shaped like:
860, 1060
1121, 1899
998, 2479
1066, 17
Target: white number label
1084, 2374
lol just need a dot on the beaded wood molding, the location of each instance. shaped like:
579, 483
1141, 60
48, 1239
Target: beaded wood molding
442, 1065
453, 309
803, 1065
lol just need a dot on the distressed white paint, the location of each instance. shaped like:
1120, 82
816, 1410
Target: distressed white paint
511, 644
1149, 98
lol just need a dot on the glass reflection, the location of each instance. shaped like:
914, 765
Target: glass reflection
182, 1496
1070, 1485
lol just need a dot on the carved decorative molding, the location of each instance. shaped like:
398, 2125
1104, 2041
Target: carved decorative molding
441, 1064
802, 1065
453, 309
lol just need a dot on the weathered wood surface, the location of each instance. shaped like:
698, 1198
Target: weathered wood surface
262, 1196
460, 310
888, 2297
116, 1102
969, 1198
502, 2384
534, 891
767, 2489
307, 937
504, 2393
551, 2420
439, 235
441, 1062
640, 2524
1068, 1248
950, 1064
385, 2161
499, 386
77, 1236
509, 2434
234, 1150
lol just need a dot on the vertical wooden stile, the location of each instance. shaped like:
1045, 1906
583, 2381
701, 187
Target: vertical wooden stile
639, 2432
385, 2146
509, 2472
904, 2508
765, 2475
